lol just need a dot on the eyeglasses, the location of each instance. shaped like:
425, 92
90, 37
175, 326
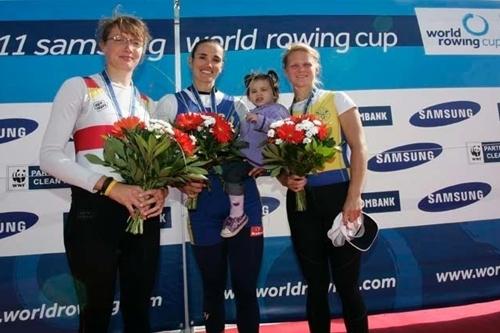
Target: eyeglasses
122, 41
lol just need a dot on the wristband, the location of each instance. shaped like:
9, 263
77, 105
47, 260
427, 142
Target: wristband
110, 186
105, 185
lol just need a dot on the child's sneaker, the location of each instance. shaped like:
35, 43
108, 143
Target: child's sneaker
233, 225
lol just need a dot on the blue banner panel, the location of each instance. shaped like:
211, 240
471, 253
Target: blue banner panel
38, 294
264, 32
207, 8
358, 51
25, 10
50, 50
64, 37
407, 268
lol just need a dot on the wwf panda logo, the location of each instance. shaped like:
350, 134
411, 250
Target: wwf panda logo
19, 176
475, 151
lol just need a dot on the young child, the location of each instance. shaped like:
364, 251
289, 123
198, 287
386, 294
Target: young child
263, 91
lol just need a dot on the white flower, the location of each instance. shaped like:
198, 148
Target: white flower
307, 127
307, 140
208, 121
160, 127
276, 124
271, 133
278, 141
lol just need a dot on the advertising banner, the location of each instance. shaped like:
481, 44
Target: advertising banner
423, 74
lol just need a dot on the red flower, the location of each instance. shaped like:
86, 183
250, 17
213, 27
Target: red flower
214, 136
297, 137
222, 130
184, 141
126, 124
307, 116
322, 132
188, 121
298, 145
285, 132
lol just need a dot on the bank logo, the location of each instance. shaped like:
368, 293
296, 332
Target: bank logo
12, 223
459, 31
483, 152
31, 177
16, 128
445, 114
454, 197
166, 218
381, 202
404, 157
375, 115
269, 204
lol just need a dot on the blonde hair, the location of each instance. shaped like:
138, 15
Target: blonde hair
125, 23
295, 47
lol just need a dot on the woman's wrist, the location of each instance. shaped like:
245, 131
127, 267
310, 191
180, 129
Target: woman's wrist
110, 186
105, 185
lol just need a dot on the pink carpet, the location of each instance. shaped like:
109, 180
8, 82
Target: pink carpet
474, 318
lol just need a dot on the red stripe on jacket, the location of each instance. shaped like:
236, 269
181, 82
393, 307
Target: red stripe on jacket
91, 137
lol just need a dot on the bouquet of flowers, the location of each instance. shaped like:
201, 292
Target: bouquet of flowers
151, 155
298, 145
214, 137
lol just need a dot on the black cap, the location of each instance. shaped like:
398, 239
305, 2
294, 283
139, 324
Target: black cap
364, 236
364, 242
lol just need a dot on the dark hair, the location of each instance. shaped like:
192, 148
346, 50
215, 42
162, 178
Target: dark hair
125, 23
205, 41
271, 77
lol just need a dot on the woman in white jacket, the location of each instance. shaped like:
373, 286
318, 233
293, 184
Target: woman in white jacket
97, 245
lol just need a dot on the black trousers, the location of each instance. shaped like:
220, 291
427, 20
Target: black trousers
321, 262
243, 252
234, 174
98, 250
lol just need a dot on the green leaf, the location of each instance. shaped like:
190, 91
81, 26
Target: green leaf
275, 172
141, 145
197, 170
119, 162
161, 147
94, 159
151, 143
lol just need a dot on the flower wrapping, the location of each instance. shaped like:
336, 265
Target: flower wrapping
298, 145
151, 155
215, 138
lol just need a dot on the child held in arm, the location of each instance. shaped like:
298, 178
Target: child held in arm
262, 90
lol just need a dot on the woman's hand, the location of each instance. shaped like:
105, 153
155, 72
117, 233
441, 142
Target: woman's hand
192, 189
127, 195
292, 182
352, 209
153, 202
